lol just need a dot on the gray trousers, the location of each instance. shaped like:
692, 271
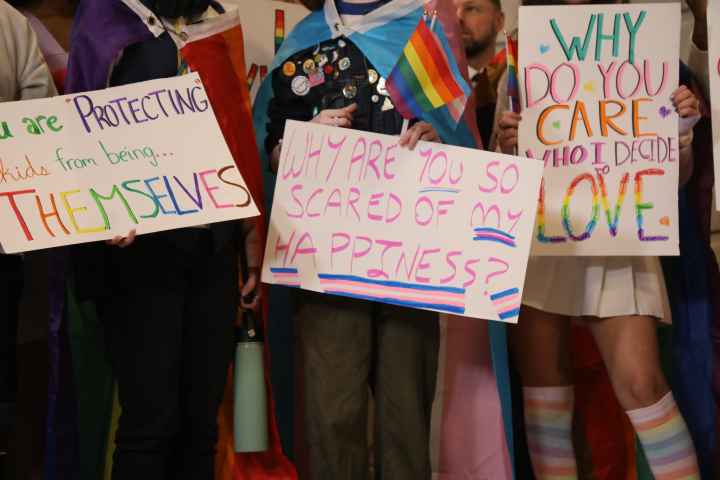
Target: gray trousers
349, 348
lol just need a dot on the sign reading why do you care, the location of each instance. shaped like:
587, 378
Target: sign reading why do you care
87, 167
596, 98
440, 227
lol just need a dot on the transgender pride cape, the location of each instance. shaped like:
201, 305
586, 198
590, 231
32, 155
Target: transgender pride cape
214, 49
472, 410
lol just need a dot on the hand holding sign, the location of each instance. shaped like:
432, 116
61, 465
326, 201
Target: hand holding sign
96, 165
597, 109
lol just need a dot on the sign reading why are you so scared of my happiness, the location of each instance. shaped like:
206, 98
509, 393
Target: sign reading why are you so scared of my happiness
596, 99
441, 228
87, 167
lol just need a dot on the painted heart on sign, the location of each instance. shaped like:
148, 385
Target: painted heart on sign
665, 221
556, 125
544, 48
664, 111
589, 87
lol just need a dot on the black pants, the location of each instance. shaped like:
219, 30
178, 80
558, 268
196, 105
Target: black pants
11, 280
169, 336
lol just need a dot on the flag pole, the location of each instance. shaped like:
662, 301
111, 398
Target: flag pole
511, 106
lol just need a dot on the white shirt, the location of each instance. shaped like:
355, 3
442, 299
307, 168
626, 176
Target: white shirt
23, 72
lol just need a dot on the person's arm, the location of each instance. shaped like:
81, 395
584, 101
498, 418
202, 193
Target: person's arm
34, 78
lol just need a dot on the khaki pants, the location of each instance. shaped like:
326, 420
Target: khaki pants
349, 348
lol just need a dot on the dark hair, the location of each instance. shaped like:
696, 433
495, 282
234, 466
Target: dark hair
313, 4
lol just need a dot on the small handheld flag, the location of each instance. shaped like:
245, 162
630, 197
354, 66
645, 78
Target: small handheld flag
422, 79
513, 86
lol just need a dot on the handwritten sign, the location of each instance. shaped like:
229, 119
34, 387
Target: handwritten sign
714, 70
440, 228
596, 86
265, 27
87, 167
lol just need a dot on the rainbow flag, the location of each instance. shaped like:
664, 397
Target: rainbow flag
279, 28
422, 79
513, 86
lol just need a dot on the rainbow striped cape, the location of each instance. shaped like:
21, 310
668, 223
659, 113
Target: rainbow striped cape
423, 78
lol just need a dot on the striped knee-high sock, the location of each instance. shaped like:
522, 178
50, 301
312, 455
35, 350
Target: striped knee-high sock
666, 440
548, 423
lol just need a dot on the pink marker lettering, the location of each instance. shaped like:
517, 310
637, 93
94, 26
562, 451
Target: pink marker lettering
210, 189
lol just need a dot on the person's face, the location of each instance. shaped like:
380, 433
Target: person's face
480, 22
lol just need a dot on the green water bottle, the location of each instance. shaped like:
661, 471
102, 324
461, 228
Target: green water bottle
251, 420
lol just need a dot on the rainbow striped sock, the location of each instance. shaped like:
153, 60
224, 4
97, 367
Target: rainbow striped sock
548, 424
666, 440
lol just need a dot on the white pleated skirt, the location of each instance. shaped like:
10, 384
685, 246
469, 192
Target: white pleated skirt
601, 287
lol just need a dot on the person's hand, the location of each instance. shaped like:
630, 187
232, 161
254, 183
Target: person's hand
336, 117
508, 136
686, 103
419, 131
122, 242
249, 291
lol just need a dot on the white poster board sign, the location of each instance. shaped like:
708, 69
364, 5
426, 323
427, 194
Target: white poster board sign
265, 26
596, 82
441, 228
87, 167
714, 71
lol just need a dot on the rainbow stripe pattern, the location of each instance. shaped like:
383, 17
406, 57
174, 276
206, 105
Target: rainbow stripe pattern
507, 303
487, 234
565, 211
666, 440
422, 79
548, 426
279, 28
444, 299
288, 277
513, 85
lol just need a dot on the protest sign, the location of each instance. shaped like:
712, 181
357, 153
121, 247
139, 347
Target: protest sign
714, 71
265, 26
595, 94
86, 167
441, 228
